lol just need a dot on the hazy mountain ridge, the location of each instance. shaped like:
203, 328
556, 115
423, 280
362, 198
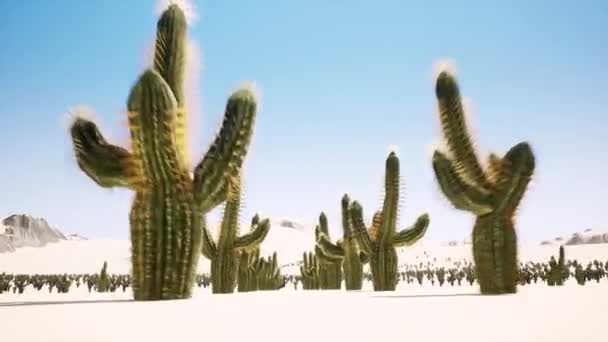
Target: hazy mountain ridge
586, 237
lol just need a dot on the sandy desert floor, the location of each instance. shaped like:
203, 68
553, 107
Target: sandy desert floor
537, 313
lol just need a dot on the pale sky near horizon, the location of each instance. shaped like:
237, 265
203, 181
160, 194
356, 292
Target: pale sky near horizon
341, 82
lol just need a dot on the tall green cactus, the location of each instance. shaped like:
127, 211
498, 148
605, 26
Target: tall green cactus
330, 269
381, 250
309, 270
345, 251
268, 274
492, 194
557, 269
166, 215
225, 253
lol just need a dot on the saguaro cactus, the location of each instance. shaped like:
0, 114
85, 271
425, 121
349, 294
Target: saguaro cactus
557, 269
167, 214
381, 250
224, 255
330, 269
309, 270
492, 194
345, 251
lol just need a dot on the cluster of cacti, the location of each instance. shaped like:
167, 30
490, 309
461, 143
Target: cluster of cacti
492, 193
224, 254
345, 252
62, 283
309, 271
167, 215
380, 246
268, 274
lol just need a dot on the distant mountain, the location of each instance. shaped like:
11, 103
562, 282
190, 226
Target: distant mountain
587, 237
27, 231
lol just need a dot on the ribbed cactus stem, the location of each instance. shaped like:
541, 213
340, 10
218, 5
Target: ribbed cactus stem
381, 247
493, 195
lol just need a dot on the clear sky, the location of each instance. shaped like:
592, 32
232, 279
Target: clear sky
341, 82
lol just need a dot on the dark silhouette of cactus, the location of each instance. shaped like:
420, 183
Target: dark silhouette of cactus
309, 271
557, 269
225, 253
167, 213
381, 250
345, 251
330, 269
103, 280
492, 194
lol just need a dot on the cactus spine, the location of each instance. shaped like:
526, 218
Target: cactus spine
381, 250
493, 194
166, 215
225, 253
345, 251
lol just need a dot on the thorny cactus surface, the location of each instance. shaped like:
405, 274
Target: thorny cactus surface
167, 214
492, 193
382, 249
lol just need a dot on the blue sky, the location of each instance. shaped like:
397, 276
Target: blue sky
341, 82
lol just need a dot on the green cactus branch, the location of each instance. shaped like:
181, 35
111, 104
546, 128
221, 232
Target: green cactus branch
493, 194
366, 243
106, 164
453, 123
410, 236
254, 238
461, 194
226, 155
328, 248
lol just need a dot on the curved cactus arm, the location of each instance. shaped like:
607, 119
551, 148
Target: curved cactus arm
209, 248
520, 160
254, 238
329, 248
452, 117
359, 231
326, 257
461, 194
409, 236
108, 165
225, 157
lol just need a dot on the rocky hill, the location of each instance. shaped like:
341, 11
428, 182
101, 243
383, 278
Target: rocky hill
26, 231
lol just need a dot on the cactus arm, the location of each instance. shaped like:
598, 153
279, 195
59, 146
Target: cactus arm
170, 63
520, 160
209, 247
329, 248
323, 226
225, 157
409, 236
106, 164
359, 231
391, 198
452, 117
326, 257
253, 238
461, 194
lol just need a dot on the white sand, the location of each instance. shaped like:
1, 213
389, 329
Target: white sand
412, 313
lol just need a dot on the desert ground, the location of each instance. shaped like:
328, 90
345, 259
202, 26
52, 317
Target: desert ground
413, 312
